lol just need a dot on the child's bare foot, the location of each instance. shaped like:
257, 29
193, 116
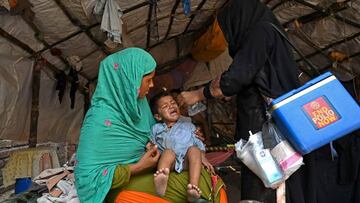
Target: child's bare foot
193, 192
160, 180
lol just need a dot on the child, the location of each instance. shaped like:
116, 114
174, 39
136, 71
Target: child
198, 120
180, 149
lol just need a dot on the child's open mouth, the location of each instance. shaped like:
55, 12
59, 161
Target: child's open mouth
173, 113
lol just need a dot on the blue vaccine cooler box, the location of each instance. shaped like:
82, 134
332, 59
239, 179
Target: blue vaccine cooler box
315, 114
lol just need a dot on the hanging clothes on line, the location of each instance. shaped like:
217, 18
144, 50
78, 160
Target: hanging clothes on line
74, 86
61, 84
111, 18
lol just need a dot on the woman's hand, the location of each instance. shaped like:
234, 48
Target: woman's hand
191, 97
199, 134
149, 145
147, 161
215, 89
207, 164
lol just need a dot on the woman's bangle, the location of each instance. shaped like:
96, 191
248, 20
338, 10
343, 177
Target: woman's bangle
207, 92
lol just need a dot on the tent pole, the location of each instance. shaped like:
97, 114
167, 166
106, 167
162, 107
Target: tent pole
88, 28
68, 37
77, 23
37, 30
356, 54
39, 63
87, 98
200, 5
176, 4
149, 25
349, 38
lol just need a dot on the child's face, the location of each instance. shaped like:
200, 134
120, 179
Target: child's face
168, 110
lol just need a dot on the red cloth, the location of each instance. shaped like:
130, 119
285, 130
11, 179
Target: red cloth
127, 196
216, 158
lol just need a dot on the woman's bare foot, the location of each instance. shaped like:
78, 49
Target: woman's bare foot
160, 180
193, 192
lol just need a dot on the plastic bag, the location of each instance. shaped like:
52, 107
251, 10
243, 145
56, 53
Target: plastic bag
259, 160
288, 159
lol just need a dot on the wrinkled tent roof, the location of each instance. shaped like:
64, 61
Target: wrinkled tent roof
316, 27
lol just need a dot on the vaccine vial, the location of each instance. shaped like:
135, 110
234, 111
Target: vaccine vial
196, 108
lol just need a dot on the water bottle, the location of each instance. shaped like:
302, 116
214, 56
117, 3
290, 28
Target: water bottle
196, 108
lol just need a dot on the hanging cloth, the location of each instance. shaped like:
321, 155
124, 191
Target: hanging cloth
111, 18
74, 86
210, 45
60, 84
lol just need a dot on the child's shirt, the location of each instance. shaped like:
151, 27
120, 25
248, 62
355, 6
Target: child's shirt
178, 138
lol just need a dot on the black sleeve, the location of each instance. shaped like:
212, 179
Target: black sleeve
248, 60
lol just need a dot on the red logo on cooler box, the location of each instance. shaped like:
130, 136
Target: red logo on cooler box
320, 112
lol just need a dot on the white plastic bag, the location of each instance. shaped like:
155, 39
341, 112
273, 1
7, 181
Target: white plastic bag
259, 160
288, 159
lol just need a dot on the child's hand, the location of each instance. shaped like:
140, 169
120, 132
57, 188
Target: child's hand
207, 164
149, 145
199, 134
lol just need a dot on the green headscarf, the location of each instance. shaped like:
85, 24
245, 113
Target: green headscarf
117, 126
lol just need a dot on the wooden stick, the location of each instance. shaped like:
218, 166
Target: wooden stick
35, 102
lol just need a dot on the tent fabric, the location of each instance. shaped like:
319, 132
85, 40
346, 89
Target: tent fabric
15, 99
174, 79
57, 122
199, 76
204, 72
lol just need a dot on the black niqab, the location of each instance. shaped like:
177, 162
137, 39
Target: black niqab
238, 17
262, 65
